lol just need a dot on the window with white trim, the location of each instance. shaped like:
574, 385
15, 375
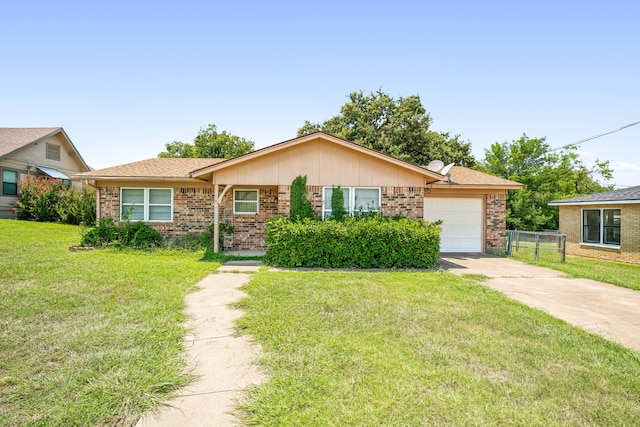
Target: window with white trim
356, 199
601, 226
146, 204
245, 201
9, 183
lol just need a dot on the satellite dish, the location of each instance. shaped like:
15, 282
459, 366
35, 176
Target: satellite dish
435, 165
446, 169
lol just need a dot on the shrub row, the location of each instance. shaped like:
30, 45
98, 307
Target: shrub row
353, 242
136, 235
46, 200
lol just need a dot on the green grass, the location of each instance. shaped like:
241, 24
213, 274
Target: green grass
88, 338
615, 273
409, 349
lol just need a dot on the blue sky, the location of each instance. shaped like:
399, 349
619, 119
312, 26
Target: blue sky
124, 78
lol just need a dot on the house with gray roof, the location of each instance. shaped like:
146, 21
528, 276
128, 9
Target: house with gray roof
603, 225
38, 152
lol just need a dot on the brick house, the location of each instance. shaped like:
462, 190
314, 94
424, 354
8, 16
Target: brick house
177, 196
603, 225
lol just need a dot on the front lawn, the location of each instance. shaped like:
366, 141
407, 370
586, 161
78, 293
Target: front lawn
88, 338
615, 273
408, 349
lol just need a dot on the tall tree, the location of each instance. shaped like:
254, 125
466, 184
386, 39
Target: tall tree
547, 175
398, 127
209, 144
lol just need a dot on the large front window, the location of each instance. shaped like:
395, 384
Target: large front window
356, 199
146, 204
601, 226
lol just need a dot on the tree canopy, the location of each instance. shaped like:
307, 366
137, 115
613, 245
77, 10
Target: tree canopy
547, 175
209, 144
397, 127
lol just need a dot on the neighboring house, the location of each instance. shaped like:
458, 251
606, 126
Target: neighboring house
35, 152
177, 196
603, 225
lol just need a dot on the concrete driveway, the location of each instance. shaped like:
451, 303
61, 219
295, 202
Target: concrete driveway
610, 311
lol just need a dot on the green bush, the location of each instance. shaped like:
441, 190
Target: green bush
45, 200
301, 208
338, 212
362, 243
136, 235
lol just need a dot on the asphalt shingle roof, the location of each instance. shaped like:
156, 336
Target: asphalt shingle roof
460, 175
623, 195
12, 139
151, 168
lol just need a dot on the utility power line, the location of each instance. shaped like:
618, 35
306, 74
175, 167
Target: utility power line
595, 136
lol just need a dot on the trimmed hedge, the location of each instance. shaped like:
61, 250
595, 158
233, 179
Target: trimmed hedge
353, 242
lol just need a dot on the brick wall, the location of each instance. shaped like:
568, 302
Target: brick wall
629, 251
192, 210
404, 201
249, 229
496, 221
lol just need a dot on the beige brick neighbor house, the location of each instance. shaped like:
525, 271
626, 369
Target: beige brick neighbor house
34, 152
603, 225
177, 196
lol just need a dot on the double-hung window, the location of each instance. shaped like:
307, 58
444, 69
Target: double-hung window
9, 183
601, 226
356, 199
245, 201
146, 204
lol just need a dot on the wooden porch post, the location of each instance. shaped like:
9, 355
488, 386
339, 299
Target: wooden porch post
217, 199
216, 219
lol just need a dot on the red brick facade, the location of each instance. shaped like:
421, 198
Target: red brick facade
193, 211
496, 220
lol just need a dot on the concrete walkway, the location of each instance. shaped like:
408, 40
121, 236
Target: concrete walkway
224, 363
607, 310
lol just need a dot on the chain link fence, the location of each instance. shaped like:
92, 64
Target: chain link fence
540, 243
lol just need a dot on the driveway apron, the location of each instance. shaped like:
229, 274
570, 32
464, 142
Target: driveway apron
607, 310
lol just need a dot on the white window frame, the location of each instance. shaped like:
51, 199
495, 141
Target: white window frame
257, 191
352, 200
146, 203
601, 230
17, 183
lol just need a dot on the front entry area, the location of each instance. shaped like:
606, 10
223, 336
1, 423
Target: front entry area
461, 222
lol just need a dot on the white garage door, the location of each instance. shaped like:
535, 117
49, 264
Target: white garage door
461, 223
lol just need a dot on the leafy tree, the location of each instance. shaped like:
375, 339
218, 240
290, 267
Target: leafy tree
547, 175
301, 208
338, 212
209, 144
397, 127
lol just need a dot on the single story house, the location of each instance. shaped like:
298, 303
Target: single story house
176, 196
35, 152
603, 225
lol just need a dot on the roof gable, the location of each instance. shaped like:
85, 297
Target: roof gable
622, 196
14, 139
429, 175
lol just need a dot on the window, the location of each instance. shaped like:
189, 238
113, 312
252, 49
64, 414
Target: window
53, 151
10, 183
326, 200
601, 226
146, 204
356, 199
245, 201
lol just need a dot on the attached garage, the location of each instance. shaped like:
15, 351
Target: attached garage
462, 222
